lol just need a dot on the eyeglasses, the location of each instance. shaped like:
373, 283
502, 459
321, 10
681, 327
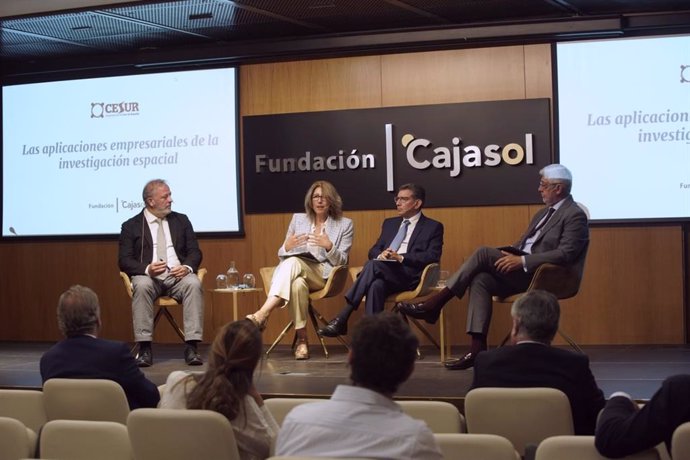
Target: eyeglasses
318, 197
404, 199
543, 184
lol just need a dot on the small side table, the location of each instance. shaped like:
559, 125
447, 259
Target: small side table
230, 305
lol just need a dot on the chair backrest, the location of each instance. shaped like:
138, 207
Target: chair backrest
174, 434
463, 446
85, 440
334, 283
165, 301
522, 415
85, 399
680, 444
440, 416
279, 407
16, 440
25, 406
581, 448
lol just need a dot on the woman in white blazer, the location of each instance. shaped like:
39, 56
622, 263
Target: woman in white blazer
316, 241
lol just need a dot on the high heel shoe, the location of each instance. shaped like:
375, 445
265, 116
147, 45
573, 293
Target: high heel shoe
260, 324
302, 351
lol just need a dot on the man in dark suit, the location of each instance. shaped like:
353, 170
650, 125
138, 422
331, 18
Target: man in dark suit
557, 234
160, 253
406, 245
532, 362
83, 355
624, 429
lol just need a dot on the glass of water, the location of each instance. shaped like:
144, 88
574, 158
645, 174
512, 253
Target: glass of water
221, 281
249, 281
442, 278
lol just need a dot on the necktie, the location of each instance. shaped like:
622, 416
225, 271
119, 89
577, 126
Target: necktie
537, 227
400, 236
161, 245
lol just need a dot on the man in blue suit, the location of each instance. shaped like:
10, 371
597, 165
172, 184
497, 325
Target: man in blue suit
406, 245
82, 355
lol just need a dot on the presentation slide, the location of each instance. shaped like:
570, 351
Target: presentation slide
624, 126
76, 154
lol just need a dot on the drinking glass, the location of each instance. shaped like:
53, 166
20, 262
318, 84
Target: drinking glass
221, 282
442, 277
248, 280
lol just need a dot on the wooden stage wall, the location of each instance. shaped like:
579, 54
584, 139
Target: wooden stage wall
632, 293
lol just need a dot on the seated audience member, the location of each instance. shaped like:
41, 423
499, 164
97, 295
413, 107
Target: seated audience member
532, 362
316, 241
362, 420
624, 429
227, 387
406, 245
82, 355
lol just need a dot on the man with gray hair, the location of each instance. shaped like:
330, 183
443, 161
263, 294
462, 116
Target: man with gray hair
532, 362
159, 252
82, 355
557, 234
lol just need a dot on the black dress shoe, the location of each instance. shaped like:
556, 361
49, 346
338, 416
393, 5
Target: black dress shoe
192, 357
334, 328
144, 358
417, 311
463, 363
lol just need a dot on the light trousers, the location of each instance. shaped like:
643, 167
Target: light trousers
293, 279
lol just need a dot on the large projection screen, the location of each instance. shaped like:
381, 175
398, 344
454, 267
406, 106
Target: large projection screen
623, 110
76, 154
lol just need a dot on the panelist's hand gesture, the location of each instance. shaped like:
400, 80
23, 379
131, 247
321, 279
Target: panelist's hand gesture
320, 240
295, 240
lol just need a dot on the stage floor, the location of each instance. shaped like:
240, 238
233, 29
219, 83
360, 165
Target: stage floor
637, 370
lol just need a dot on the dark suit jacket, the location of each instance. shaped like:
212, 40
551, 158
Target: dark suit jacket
623, 429
537, 365
424, 247
136, 244
86, 357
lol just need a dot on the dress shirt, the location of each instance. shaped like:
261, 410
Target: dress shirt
173, 260
410, 228
254, 433
356, 422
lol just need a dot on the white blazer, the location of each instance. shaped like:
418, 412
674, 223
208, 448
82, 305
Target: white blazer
340, 233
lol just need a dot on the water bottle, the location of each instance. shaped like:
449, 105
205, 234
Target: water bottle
233, 276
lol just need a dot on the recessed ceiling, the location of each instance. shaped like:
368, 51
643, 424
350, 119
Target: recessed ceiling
146, 31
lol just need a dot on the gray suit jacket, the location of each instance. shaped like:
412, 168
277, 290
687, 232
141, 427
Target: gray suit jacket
562, 241
340, 233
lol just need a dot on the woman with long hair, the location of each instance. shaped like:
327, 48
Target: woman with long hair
227, 387
316, 241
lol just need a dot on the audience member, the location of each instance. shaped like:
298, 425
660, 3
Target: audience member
82, 355
160, 253
532, 362
624, 428
316, 241
227, 387
557, 234
406, 245
362, 420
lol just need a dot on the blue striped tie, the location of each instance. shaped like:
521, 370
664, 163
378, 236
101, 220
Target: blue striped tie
400, 236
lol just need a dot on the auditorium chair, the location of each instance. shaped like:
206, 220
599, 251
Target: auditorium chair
85, 399
680, 444
334, 286
25, 406
582, 448
426, 285
174, 434
464, 446
163, 303
16, 440
522, 415
85, 440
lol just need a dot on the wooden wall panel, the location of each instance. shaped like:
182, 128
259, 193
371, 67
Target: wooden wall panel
634, 277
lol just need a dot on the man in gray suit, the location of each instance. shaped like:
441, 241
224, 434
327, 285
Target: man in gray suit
557, 234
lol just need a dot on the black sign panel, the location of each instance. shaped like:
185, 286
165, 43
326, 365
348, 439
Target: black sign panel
470, 154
